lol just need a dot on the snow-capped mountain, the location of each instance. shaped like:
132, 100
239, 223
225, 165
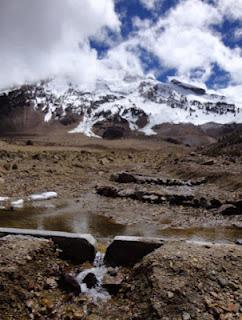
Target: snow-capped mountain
133, 104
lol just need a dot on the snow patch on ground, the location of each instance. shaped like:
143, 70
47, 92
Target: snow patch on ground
43, 196
18, 204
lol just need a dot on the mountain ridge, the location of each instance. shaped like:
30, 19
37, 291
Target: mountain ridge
111, 108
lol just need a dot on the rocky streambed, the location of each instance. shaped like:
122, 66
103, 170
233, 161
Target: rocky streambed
179, 280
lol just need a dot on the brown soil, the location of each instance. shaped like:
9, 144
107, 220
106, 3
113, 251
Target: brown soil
183, 281
73, 165
178, 281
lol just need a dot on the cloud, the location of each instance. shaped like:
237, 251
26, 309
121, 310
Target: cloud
150, 4
185, 39
238, 34
42, 38
231, 9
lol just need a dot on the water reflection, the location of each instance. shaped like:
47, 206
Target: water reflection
70, 216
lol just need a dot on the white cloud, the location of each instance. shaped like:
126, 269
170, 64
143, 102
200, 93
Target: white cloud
40, 38
232, 9
238, 34
150, 4
185, 39
233, 93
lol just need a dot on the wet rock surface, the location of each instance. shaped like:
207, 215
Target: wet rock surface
90, 280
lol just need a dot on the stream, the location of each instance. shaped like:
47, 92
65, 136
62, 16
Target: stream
68, 216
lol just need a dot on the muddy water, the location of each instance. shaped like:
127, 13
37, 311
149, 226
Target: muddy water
69, 216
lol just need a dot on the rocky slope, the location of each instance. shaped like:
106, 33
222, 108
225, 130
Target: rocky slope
185, 281
113, 110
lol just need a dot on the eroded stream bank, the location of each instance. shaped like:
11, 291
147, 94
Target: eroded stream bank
179, 280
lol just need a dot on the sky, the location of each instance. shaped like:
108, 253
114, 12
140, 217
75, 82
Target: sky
197, 41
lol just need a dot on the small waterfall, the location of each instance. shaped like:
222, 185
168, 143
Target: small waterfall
99, 270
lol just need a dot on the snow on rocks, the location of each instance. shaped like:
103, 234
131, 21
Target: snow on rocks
130, 100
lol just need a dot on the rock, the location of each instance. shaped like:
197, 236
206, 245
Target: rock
29, 143
239, 242
170, 294
14, 166
69, 283
112, 281
238, 205
107, 191
215, 203
208, 163
113, 133
112, 272
176, 199
186, 316
223, 282
104, 161
127, 251
125, 177
36, 156
51, 283
228, 209
76, 247
78, 315
7, 166
90, 280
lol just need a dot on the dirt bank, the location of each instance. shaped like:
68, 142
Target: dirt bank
183, 281
178, 281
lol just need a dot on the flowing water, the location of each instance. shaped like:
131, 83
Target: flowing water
99, 270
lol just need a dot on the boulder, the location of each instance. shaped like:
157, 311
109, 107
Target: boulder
90, 280
69, 283
76, 247
113, 133
238, 242
208, 163
127, 251
228, 210
112, 281
126, 177
238, 205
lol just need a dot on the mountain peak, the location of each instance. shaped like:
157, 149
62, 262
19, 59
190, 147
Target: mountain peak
186, 86
133, 104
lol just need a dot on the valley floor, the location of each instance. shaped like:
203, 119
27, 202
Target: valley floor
74, 166
180, 281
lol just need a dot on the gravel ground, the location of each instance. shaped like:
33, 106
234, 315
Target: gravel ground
179, 281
